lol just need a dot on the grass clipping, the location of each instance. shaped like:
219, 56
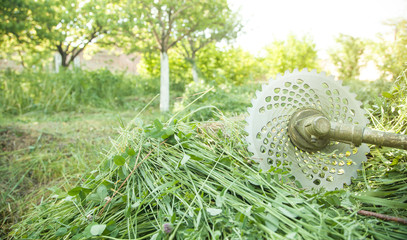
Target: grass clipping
193, 181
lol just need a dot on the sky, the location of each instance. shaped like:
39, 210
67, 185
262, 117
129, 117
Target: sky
267, 20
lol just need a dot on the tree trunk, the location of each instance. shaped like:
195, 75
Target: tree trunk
58, 61
165, 83
195, 76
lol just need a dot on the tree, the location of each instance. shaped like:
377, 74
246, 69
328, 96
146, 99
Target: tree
347, 56
69, 26
290, 54
167, 22
217, 65
391, 56
17, 29
229, 65
221, 24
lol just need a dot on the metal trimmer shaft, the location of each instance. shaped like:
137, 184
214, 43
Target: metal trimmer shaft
310, 130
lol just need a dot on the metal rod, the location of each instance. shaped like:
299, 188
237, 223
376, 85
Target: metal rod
357, 135
310, 130
385, 139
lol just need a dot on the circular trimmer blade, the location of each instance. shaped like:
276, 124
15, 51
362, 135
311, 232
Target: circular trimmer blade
267, 128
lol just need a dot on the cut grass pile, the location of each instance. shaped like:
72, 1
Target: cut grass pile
183, 180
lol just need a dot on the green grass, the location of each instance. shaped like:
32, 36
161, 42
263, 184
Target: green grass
58, 171
44, 151
200, 184
78, 91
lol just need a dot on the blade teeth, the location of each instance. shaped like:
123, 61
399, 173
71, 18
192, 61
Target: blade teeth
277, 78
257, 94
314, 71
248, 119
304, 70
251, 149
296, 70
250, 110
287, 72
323, 74
247, 129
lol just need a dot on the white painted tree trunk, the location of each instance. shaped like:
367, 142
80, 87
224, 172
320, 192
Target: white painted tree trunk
58, 61
165, 83
195, 76
77, 62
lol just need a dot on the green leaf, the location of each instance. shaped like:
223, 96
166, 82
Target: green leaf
259, 209
131, 151
102, 192
157, 124
111, 226
98, 229
387, 95
214, 211
119, 160
167, 133
75, 191
173, 218
220, 198
127, 212
61, 231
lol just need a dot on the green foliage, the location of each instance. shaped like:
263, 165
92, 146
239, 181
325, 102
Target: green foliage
198, 186
230, 66
391, 56
369, 92
15, 17
222, 25
165, 23
390, 112
17, 39
70, 25
42, 152
347, 56
67, 90
292, 53
63, 26
180, 75
193, 166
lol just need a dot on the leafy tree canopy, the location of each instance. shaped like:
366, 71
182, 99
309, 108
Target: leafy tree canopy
294, 52
347, 56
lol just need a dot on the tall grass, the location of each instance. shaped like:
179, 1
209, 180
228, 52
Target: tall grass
21, 92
